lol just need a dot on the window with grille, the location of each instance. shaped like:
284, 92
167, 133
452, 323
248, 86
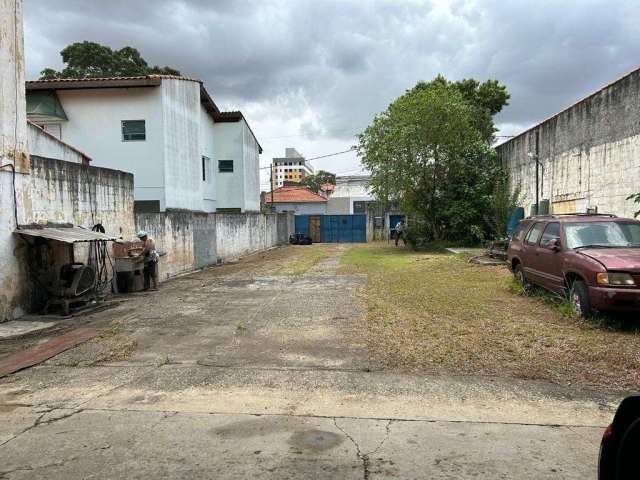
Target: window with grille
225, 166
133, 130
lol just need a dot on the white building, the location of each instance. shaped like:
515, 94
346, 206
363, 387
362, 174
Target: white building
184, 153
291, 168
350, 196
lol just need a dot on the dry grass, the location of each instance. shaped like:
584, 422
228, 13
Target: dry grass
115, 345
436, 313
302, 258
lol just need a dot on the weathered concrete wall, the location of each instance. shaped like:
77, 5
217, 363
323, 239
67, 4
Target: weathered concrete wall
13, 152
190, 240
80, 194
13, 107
310, 208
59, 192
590, 153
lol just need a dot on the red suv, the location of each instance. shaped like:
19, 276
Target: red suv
596, 258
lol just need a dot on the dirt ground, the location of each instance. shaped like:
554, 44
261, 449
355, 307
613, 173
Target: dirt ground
266, 367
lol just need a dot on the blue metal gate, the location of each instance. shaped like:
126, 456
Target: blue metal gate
337, 228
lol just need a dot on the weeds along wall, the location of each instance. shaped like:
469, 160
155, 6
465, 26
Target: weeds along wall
188, 241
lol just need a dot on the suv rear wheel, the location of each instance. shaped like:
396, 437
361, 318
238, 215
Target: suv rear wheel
518, 273
579, 296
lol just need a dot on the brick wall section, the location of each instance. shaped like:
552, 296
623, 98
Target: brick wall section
190, 240
590, 153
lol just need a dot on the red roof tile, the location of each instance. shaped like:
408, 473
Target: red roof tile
294, 195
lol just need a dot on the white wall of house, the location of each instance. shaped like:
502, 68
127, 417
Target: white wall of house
251, 164
95, 126
46, 145
207, 134
300, 208
229, 140
181, 107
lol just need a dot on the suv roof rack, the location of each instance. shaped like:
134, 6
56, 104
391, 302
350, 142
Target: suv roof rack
581, 214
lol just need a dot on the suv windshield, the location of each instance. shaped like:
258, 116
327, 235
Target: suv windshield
602, 234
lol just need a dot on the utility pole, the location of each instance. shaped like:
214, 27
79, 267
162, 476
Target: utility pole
272, 205
537, 158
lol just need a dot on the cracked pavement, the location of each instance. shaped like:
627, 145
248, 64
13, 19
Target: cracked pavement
238, 373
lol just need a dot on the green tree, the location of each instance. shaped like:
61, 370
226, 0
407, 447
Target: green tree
636, 199
92, 60
315, 182
430, 152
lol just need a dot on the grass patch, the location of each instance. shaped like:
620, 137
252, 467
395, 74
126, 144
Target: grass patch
437, 313
115, 344
561, 303
302, 260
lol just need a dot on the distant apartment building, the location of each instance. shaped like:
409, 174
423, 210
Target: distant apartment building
291, 168
184, 152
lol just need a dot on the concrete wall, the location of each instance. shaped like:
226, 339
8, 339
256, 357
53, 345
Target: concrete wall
46, 145
95, 127
13, 109
67, 192
339, 205
60, 192
311, 208
590, 153
190, 240
13, 151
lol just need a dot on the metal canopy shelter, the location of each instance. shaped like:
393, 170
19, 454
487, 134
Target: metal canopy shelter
71, 234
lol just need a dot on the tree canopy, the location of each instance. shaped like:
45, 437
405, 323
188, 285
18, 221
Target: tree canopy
92, 60
315, 182
430, 152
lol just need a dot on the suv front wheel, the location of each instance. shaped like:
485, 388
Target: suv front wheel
579, 296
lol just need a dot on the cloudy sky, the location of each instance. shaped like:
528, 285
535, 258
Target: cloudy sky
312, 73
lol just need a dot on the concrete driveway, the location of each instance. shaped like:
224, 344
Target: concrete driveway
236, 372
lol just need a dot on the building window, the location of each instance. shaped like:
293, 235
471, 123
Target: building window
206, 169
133, 130
225, 166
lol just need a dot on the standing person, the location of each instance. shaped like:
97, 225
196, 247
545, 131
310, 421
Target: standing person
400, 232
150, 261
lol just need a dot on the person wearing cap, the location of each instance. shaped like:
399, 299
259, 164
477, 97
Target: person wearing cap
150, 261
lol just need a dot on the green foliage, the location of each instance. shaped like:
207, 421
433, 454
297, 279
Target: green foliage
504, 201
315, 182
430, 152
636, 198
92, 60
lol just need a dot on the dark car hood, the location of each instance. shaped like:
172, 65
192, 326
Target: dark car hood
627, 259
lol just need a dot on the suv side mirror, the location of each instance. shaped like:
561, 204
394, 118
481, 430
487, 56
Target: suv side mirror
554, 244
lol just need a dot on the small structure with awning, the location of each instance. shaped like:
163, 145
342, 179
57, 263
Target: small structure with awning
52, 265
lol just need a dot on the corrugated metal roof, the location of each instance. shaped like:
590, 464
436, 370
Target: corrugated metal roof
66, 234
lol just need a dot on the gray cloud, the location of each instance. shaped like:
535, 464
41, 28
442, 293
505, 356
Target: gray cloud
322, 69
